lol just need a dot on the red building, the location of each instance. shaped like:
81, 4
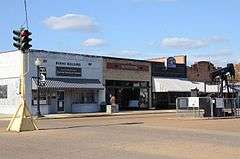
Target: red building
200, 71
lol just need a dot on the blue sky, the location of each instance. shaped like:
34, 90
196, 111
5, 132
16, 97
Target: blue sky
142, 29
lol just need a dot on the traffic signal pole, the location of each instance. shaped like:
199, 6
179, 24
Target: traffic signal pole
22, 119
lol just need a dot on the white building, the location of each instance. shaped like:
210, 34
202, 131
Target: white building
73, 83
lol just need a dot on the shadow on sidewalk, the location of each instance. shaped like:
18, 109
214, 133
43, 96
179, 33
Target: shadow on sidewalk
92, 126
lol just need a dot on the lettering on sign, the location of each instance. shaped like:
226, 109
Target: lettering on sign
123, 66
68, 63
69, 71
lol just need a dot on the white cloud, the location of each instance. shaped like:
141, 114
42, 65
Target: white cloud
219, 58
188, 43
71, 21
93, 42
129, 53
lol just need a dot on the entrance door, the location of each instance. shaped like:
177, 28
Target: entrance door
60, 101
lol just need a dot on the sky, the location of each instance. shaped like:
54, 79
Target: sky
140, 29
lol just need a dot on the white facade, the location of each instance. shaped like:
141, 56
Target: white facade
9, 77
86, 97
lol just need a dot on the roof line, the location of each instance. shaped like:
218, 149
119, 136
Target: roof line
8, 51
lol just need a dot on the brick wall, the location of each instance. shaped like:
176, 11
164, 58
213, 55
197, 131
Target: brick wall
200, 71
237, 72
126, 70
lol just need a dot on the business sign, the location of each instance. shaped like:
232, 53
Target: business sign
127, 66
42, 75
69, 71
171, 62
68, 63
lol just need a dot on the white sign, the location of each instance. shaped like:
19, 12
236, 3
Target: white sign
193, 102
42, 102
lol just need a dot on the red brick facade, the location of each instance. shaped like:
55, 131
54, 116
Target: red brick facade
237, 72
200, 71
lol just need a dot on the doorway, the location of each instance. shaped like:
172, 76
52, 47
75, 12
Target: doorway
60, 101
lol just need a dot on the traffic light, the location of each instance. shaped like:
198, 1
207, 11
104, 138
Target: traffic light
17, 38
25, 45
21, 38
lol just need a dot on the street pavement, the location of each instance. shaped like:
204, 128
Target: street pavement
153, 136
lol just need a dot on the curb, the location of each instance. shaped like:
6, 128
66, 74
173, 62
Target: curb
102, 115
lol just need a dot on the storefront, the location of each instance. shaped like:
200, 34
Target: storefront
129, 81
166, 74
73, 82
166, 90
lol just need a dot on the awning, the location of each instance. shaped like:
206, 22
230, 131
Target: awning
69, 83
180, 85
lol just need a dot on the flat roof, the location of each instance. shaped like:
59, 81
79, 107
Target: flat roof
89, 55
86, 55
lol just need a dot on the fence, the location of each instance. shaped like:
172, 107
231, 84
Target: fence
207, 107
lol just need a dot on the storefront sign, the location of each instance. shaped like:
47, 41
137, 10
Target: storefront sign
68, 63
42, 75
69, 71
123, 66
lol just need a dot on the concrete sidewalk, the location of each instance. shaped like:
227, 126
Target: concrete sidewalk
98, 114
101, 114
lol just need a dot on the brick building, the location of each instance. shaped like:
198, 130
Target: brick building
237, 72
200, 71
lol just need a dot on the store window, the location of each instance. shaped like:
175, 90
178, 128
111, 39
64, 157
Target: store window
78, 97
3, 91
90, 97
43, 98
81, 97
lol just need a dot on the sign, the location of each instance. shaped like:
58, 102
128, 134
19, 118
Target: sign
183, 103
69, 71
127, 66
219, 103
68, 63
42, 76
193, 102
171, 62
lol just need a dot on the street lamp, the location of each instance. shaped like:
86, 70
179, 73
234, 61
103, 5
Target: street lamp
38, 63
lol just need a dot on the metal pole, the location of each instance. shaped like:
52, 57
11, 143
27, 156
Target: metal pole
38, 93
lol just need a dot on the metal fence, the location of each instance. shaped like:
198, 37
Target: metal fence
207, 107
190, 106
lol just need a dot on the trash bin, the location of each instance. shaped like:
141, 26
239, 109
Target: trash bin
103, 106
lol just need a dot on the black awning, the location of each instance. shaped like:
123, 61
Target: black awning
65, 83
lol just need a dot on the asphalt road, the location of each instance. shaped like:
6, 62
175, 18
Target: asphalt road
123, 137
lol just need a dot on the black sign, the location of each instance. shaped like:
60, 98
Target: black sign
42, 76
69, 71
